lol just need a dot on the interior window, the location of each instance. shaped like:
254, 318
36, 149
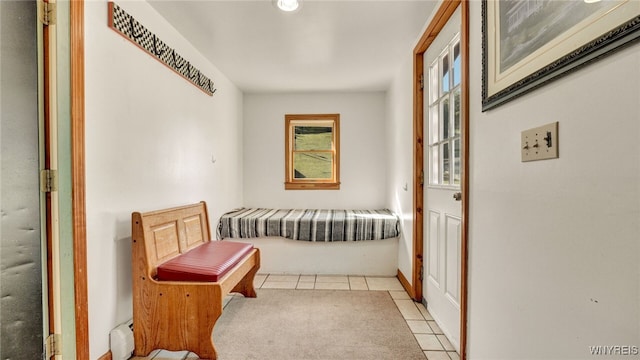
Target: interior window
445, 76
312, 151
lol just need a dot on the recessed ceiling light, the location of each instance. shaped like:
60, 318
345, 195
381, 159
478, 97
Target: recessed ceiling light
287, 5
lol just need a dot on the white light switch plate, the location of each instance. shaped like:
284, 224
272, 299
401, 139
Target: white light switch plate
540, 143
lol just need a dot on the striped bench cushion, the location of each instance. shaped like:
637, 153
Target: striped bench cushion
309, 224
208, 262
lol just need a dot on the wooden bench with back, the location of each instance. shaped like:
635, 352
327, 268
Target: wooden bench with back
180, 279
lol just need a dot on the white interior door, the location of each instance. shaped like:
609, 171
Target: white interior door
442, 218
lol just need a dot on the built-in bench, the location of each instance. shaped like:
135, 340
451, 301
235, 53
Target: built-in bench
180, 279
327, 241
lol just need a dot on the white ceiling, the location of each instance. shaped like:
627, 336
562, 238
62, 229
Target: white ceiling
326, 45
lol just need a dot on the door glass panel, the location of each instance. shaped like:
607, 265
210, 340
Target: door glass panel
434, 89
445, 74
435, 165
456, 112
446, 163
456, 162
457, 67
445, 118
434, 125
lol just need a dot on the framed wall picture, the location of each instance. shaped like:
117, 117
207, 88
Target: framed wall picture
527, 43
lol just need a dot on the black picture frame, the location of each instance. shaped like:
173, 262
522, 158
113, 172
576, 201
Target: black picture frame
540, 65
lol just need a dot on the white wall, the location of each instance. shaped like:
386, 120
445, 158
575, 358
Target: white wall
150, 138
399, 132
363, 165
554, 245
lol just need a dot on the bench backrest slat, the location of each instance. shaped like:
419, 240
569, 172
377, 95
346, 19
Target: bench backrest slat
170, 232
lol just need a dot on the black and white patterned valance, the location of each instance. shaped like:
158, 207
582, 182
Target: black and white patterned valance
125, 25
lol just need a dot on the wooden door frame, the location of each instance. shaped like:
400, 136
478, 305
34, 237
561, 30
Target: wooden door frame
78, 164
442, 16
76, 49
76, 18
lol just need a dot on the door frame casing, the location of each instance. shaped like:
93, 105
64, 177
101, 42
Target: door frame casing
78, 162
79, 222
442, 16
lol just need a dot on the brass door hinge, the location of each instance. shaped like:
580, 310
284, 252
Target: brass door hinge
53, 346
47, 12
48, 180
421, 81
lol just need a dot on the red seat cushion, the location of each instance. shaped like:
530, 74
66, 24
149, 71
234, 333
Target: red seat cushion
207, 262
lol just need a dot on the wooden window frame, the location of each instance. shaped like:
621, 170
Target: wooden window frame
291, 183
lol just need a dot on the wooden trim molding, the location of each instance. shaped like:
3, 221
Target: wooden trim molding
418, 178
441, 17
78, 178
464, 246
106, 356
405, 284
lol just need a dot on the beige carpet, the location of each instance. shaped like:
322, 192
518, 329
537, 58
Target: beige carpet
314, 324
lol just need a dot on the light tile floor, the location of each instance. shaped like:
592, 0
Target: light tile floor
428, 334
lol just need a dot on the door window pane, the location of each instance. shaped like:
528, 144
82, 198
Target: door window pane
457, 65
456, 162
446, 164
434, 124
445, 118
445, 74
435, 164
456, 112
434, 89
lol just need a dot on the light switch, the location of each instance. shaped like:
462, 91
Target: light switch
540, 143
